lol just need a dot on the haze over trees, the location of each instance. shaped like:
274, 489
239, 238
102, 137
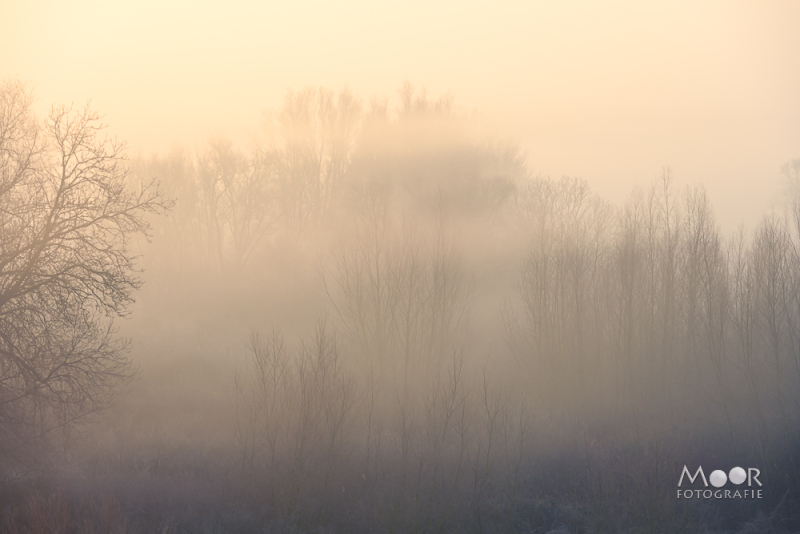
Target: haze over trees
376, 319
65, 267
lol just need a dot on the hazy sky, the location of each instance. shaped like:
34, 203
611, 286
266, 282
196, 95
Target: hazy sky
609, 91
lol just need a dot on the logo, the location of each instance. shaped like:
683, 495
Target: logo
736, 476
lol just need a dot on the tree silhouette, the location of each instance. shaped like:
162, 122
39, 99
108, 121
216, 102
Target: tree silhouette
66, 269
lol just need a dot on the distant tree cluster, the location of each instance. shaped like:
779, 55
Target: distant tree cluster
644, 306
454, 345
605, 318
320, 155
637, 328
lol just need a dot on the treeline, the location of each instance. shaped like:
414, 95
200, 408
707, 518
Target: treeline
383, 322
483, 333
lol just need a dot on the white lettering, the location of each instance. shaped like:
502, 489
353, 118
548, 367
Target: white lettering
699, 471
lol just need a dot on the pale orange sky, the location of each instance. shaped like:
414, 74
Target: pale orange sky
609, 91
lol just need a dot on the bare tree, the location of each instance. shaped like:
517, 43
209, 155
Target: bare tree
400, 293
235, 204
558, 282
66, 270
316, 138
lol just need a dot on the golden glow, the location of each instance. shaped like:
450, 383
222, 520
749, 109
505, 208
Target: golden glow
606, 91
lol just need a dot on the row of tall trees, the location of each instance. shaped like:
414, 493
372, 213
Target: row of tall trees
476, 324
318, 157
642, 319
646, 312
639, 327
607, 308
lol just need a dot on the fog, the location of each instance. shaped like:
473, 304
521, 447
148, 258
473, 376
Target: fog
399, 267
607, 92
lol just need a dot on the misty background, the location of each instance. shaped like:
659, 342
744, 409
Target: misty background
414, 268
609, 92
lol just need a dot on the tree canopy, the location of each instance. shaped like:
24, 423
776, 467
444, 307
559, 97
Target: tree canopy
66, 267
